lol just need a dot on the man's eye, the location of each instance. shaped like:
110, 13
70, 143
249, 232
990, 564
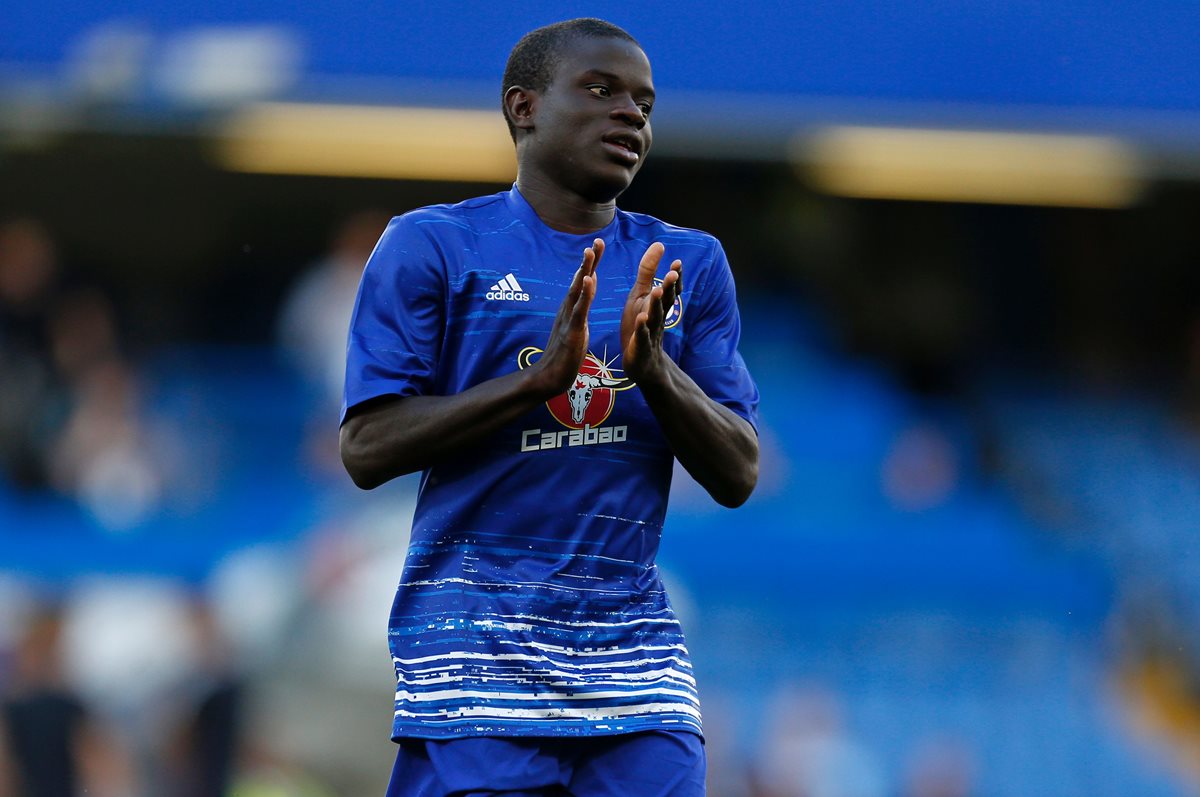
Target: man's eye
600, 91
646, 108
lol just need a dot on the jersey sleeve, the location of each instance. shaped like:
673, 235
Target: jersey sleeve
713, 330
397, 327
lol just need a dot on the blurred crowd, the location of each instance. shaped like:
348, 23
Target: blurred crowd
126, 688
72, 415
57, 742
145, 688
810, 750
271, 677
179, 706
131, 689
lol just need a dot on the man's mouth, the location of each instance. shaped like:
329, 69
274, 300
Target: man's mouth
624, 147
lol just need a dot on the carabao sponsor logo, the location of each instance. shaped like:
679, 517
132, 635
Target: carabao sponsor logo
537, 440
582, 409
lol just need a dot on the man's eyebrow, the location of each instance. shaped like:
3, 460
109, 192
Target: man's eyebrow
600, 73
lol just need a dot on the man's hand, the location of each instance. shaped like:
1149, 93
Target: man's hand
568, 344
717, 447
644, 313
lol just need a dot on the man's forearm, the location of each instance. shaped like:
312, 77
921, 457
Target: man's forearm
391, 437
715, 445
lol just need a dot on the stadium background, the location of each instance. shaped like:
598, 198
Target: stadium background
965, 244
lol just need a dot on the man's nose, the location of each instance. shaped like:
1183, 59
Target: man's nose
626, 109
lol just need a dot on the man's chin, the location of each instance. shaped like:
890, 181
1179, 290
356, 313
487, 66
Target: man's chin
607, 185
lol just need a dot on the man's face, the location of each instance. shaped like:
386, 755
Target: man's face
592, 123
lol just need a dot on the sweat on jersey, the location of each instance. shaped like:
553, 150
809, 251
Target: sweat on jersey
530, 604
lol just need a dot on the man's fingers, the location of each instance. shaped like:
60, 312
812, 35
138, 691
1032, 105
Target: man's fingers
648, 267
654, 303
671, 286
641, 332
677, 269
589, 290
598, 250
583, 303
654, 308
568, 302
586, 268
577, 280
591, 257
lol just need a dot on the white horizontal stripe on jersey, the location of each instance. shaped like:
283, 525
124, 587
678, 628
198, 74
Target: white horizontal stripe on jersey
522, 677
553, 712
549, 648
533, 618
607, 666
541, 697
518, 585
498, 550
615, 517
488, 624
531, 623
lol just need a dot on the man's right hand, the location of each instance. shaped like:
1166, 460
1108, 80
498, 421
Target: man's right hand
568, 344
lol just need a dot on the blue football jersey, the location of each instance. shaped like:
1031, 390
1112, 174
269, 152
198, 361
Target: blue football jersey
530, 603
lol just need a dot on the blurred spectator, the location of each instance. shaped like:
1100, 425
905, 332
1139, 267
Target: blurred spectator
921, 469
51, 745
83, 333
70, 414
1191, 371
108, 455
268, 774
941, 767
32, 398
807, 751
203, 750
314, 321
315, 315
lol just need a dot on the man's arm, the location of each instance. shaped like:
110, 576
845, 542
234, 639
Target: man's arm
391, 436
715, 445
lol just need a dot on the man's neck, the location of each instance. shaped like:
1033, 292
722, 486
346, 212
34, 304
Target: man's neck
562, 209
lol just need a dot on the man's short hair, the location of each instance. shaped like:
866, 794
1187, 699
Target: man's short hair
536, 57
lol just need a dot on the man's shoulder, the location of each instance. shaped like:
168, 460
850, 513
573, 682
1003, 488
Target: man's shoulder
659, 230
470, 211
425, 234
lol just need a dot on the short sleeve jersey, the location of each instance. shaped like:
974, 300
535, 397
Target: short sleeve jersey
530, 603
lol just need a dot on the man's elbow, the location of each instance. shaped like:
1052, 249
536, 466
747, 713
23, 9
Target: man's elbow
738, 483
738, 489
363, 480
742, 477
355, 459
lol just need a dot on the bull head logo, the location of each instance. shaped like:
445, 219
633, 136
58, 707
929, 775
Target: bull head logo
590, 398
580, 393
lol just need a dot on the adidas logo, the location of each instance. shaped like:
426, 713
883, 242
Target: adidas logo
507, 289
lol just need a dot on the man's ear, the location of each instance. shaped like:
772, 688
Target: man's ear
520, 105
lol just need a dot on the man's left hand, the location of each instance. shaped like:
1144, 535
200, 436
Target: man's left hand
645, 310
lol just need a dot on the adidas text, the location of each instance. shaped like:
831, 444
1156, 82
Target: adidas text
507, 289
511, 296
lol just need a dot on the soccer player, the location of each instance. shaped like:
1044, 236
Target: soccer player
535, 650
